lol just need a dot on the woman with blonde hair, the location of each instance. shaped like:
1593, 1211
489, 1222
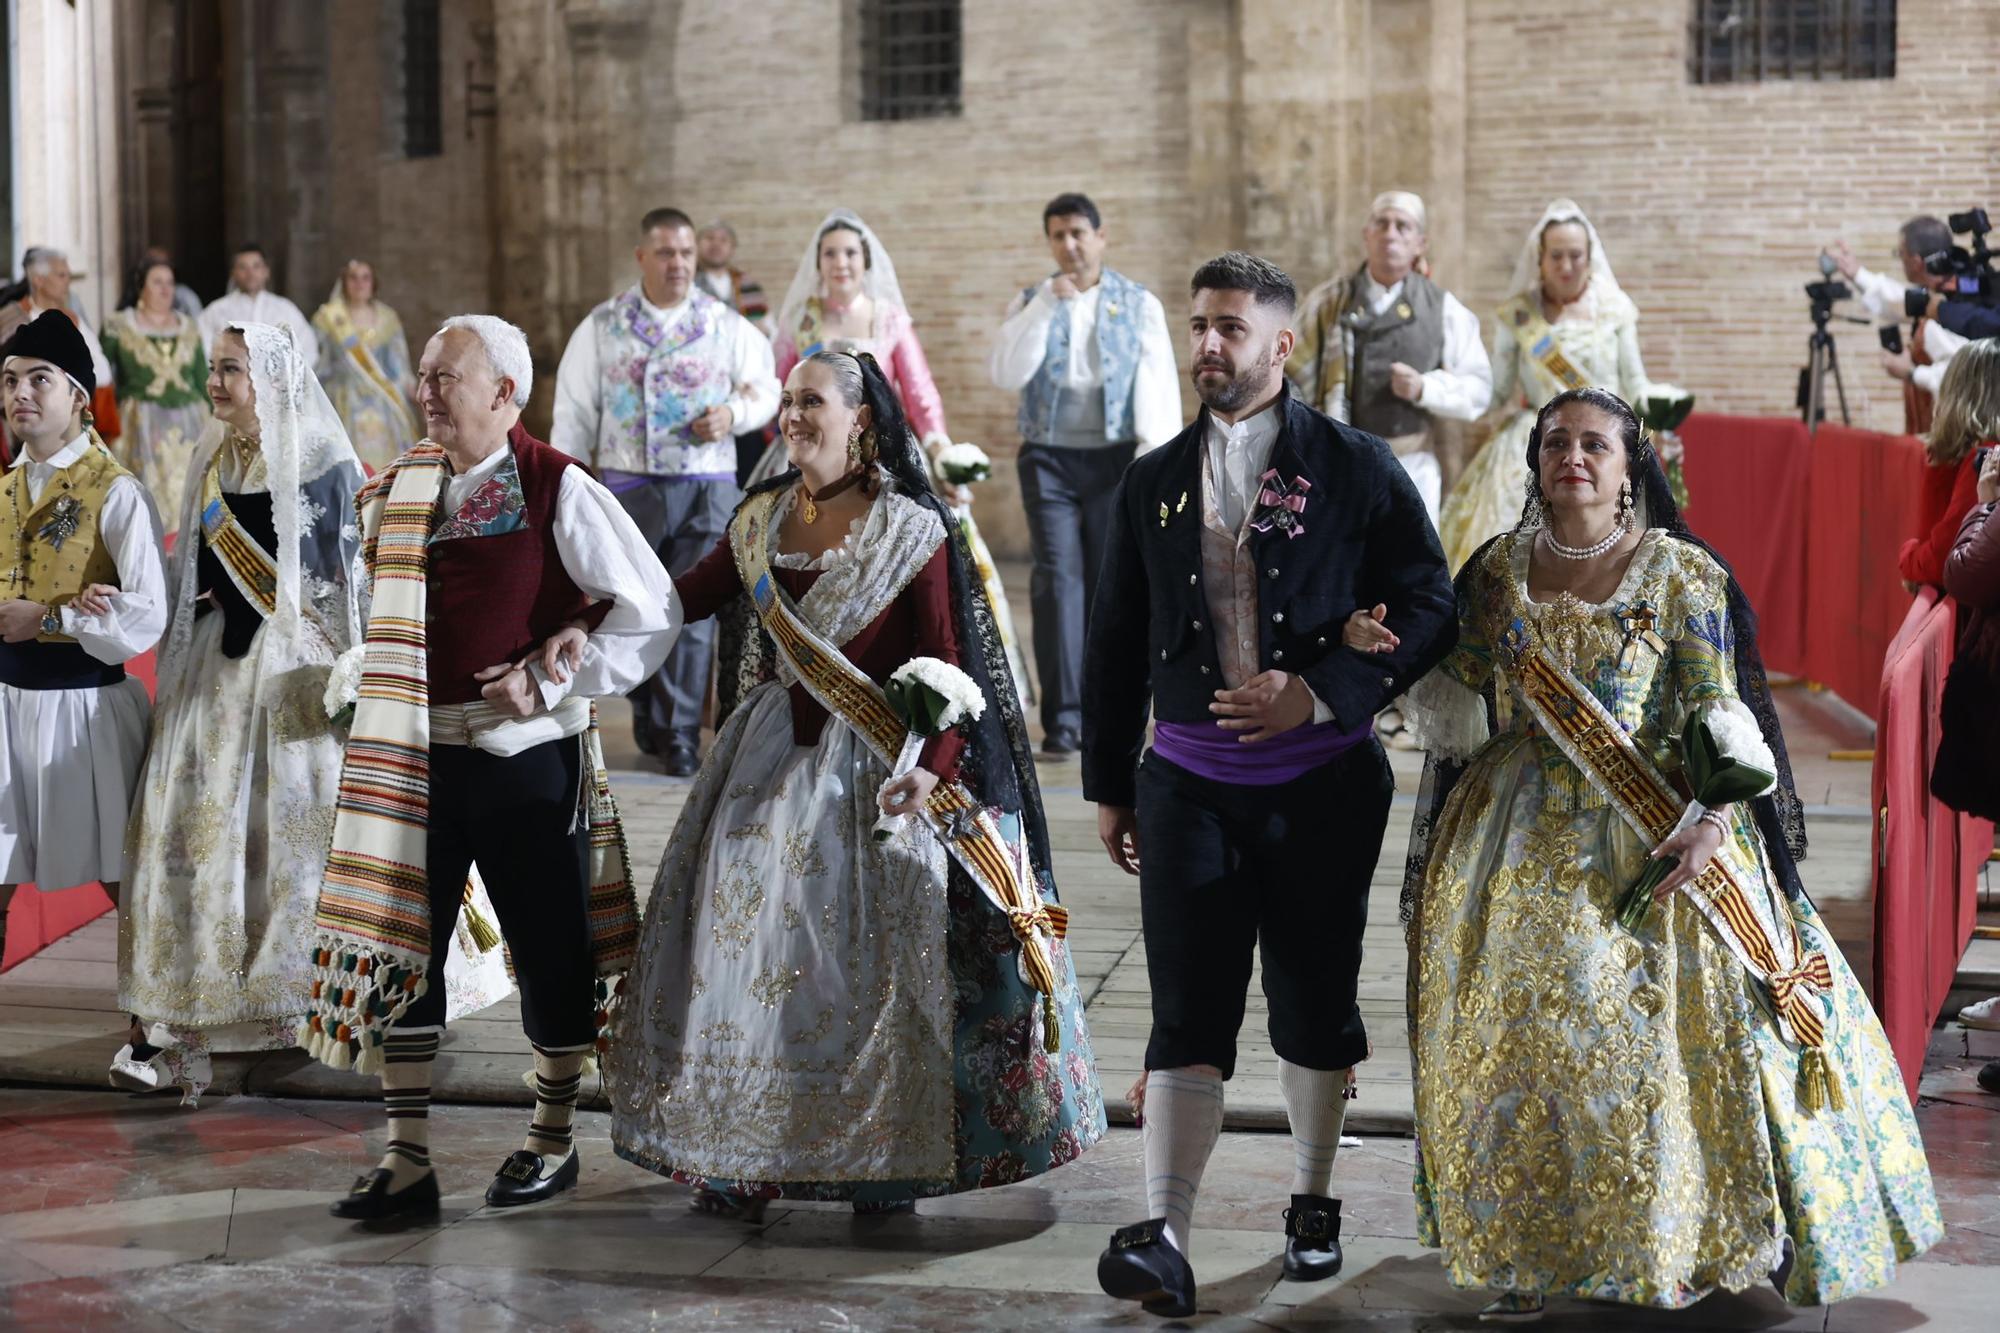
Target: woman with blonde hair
1967, 416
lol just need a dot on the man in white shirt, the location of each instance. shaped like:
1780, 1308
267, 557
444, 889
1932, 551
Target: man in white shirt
248, 301
526, 548
82, 591
1929, 346
1088, 351
1387, 350
653, 388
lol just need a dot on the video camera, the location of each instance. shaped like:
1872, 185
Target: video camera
1826, 292
1970, 267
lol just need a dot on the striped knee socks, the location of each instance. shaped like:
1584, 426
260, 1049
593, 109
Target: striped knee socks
1183, 1121
558, 1076
406, 1096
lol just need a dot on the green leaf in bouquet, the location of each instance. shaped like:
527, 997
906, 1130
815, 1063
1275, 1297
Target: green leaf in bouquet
917, 704
1663, 412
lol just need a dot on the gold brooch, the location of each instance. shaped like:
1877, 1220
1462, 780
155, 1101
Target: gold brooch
1403, 310
1163, 513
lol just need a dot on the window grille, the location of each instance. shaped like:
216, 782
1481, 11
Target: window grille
423, 77
1747, 41
911, 54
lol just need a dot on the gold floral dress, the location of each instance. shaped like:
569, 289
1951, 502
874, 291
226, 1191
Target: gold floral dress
162, 380
1611, 1113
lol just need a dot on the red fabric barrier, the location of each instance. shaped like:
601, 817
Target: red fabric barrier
1812, 525
1864, 505
1927, 857
1747, 486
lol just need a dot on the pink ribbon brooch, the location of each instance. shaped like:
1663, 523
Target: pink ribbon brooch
1280, 503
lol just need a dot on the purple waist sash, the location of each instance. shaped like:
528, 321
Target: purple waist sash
1206, 750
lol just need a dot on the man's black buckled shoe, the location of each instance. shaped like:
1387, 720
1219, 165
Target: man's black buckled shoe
1142, 1265
519, 1179
1312, 1238
371, 1199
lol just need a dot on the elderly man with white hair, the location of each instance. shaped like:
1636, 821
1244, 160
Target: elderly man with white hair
45, 283
509, 590
1387, 350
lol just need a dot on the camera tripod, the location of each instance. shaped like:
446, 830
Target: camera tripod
1822, 360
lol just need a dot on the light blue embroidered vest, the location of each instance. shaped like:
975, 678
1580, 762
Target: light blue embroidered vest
657, 380
1118, 316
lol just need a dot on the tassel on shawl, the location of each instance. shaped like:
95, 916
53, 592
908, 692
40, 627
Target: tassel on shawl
484, 934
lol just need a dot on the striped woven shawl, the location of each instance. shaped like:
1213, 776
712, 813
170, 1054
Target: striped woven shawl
373, 939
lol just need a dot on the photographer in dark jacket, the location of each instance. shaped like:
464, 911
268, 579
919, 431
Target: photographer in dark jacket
1236, 552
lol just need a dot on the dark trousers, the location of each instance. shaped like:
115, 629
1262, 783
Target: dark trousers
682, 521
1230, 870
1067, 494
516, 819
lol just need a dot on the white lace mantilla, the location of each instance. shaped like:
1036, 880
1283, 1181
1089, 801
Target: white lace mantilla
883, 551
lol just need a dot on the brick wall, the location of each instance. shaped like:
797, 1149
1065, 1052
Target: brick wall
1195, 125
1713, 201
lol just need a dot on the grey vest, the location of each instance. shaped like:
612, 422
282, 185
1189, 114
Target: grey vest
1410, 330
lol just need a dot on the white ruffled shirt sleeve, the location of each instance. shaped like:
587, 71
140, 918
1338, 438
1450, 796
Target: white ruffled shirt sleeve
1156, 386
605, 556
753, 377
578, 394
1022, 341
129, 527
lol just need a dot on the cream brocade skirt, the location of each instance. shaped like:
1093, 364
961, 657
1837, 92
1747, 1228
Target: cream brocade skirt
1489, 494
790, 1015
1614, 1115
235, 816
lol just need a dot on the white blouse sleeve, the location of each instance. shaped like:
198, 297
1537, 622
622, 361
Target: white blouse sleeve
1462, 387
606, 557
579, 394
130, 530
1022, 340
1156, 386
753, 398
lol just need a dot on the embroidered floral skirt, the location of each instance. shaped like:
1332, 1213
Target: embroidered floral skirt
157, 445
1486, 499
817, 1015
1614, 1115
235, 815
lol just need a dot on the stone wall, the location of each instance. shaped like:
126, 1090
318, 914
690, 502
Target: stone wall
1196, 124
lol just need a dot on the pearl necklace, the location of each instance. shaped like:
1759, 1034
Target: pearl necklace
1595, 549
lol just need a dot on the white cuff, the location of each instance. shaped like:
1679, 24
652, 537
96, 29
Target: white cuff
1444, 716
1321, 711
551, 691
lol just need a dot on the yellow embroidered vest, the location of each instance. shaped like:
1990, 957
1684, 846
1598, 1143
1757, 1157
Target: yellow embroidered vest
50, 550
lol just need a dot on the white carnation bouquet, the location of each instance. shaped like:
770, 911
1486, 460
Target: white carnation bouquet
962, 464
343, 685
1726, 760
931, 696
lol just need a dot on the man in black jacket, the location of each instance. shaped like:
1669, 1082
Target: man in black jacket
1236, 553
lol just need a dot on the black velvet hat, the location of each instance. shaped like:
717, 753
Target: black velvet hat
53, 336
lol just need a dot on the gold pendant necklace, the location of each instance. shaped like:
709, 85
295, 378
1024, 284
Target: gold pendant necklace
808, 511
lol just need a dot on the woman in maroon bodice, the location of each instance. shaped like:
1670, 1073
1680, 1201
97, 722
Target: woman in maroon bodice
816, 1013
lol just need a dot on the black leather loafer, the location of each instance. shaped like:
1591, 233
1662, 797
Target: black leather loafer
371, 1199
1142, 1265
1062, 743
1312, 1238
681, 758
519, 1179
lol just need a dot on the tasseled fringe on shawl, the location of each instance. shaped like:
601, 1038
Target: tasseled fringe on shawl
356, 996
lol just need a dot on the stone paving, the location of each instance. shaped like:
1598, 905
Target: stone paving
133, 1213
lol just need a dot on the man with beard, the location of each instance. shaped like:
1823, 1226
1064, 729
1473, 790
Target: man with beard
1236, 552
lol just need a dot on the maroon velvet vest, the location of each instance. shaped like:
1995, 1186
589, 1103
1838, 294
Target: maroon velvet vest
497, 587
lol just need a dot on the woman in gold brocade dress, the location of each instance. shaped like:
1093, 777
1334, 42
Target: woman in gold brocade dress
1643, 1115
